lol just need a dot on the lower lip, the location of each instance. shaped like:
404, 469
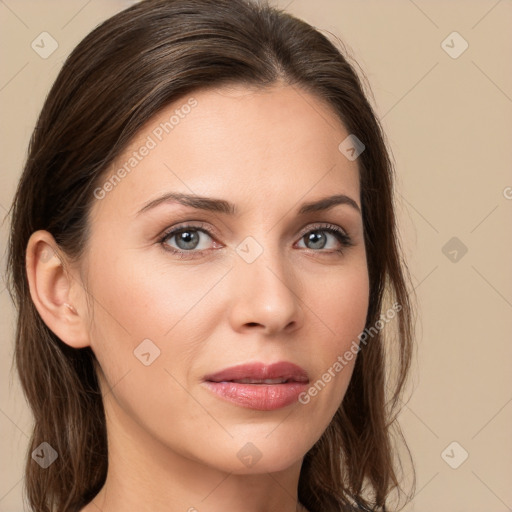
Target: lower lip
261, 397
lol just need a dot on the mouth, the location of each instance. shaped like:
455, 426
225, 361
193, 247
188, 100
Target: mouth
258, 386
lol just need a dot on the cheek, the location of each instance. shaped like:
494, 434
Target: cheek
135, 301
342, 304
148, 321
140, 298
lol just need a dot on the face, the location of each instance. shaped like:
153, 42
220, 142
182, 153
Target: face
184, 289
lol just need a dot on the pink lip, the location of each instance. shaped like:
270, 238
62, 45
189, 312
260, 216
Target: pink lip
263, 397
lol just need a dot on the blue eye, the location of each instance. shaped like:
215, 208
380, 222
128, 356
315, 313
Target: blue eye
188, 238
317, 237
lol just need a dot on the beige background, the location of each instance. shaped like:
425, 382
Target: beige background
449, 125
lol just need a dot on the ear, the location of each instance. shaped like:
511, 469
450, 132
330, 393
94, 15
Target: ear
56, 292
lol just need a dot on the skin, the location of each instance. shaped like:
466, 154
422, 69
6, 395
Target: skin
172, 443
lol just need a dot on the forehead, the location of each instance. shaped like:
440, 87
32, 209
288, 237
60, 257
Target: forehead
274, 144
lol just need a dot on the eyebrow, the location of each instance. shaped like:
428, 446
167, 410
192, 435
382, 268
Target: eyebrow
223, 206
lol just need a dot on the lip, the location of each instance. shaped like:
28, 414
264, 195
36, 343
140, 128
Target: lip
262, 397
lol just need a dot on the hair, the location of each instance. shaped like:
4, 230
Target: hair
119, 76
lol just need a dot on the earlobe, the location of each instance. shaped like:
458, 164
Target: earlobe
51, 285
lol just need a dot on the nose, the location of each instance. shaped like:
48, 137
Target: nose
265, 295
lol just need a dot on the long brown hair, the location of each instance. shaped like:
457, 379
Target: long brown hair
114, 81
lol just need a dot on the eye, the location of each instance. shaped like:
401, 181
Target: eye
317, 238
188, 239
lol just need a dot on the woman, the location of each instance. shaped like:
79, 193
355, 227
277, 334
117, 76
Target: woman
214, 312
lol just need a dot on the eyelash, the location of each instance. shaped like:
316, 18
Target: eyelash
342, 237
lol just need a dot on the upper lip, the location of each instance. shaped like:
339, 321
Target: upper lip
260, 371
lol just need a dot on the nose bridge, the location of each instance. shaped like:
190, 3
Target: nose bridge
264, 289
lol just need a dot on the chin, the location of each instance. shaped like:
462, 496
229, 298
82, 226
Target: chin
269, 463
249, 454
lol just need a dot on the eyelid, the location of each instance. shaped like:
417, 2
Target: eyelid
318, 226
191, 224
